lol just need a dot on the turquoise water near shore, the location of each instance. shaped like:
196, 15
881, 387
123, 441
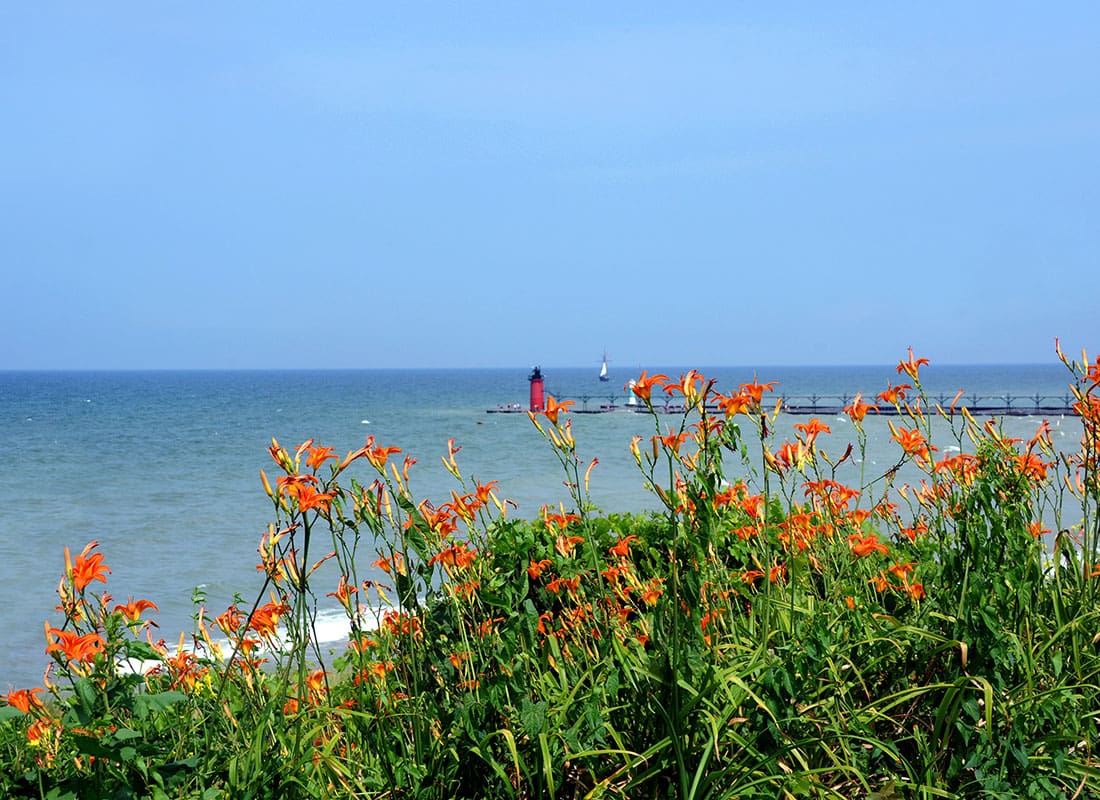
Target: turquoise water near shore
161, 467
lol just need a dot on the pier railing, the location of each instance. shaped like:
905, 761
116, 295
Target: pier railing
833, 405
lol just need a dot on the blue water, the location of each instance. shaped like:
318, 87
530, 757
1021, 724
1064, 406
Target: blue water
162, 467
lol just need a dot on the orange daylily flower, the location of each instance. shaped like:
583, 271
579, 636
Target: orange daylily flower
45, 732
290, 485
440, 520
395, 563
400, 622
744, 532
553, 408
912, 442
309, 498
484, 491
672, 441
911, 366
545, 619
281, 456
754, 505
555, 520
318, 456
378, 669
464, 591
537, 567
457, 556
133, 609
653, 592
790, 454
86, 568
265, 619
459, 658
377, 456
24, 699
622, 547
343, 593
963, 467
570, 584
833, 495
894, 395
918, 529
317, 683
751, 576
812, 428
229, 620
643, 387
183, 666
464, 505
75, 647
487, 627
733, 404
1032, 466
755, 390
865, 545
1036, 529
858, 409
691, 387
565, 544
613, 574
902, 570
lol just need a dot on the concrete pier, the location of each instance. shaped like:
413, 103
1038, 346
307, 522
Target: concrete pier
833, 405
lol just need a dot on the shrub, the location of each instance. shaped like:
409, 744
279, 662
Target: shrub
773, 632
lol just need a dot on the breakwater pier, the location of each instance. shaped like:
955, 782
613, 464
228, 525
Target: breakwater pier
1007, 405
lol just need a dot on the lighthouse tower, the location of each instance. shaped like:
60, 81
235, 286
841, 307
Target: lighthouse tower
536, 390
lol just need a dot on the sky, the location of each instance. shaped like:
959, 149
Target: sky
498, 184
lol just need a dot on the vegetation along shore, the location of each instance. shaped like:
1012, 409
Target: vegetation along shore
771, 631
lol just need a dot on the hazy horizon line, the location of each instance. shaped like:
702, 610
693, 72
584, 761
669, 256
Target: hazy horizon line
932, 365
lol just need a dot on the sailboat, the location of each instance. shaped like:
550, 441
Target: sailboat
603, 368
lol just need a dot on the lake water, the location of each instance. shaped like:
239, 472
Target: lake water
162, 467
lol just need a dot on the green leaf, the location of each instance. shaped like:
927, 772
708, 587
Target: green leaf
406, 592
142, 650
532, 716
125, 734
145, 704
91, 746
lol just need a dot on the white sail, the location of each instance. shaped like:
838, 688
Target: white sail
603, 368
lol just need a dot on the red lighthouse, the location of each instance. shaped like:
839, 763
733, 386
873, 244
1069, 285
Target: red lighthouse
536, 390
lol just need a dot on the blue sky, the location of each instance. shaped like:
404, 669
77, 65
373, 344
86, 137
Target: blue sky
359, 184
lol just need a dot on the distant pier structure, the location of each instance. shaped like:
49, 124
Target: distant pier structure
1006, 405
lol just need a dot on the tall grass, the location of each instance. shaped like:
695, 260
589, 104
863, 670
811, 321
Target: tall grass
773, 632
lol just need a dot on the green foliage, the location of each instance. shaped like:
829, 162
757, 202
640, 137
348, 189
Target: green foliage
774, 634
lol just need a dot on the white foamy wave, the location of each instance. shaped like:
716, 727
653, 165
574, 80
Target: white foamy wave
331, 626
